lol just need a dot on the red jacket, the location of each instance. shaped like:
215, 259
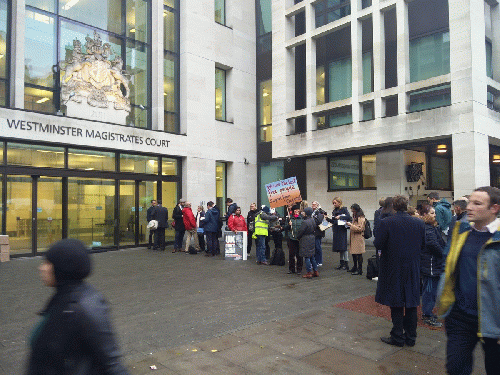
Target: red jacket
188, 218
237, 223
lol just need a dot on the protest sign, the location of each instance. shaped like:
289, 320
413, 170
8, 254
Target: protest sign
283, 192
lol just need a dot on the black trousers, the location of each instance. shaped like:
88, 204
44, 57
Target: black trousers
462, 339
294, 260
212, 242
249, 242
277, 239
160, 238
152, 237
404, 324
201, 241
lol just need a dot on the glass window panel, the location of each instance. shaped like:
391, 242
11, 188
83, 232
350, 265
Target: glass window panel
169, 167
3, 39
19, 217
90, 160
331, 10
1, 200
147, 193
320, 85
429, 56
38, 100
321, 122
369, 171
47, 5
138, 117
169, 3
270, 172
170, 121
266, 133
104, 14
3, 93
264, 17
266, 103
39, 49
220, 94
34, 155
430, 98
137, 20
368, 111
169, 81
127, 213
440, 173
489, 55
169, 200
367, 73
49, 212
220, 187
220, 11
91, 211
366, 4
341, 118
137, 67
169, 31
344, 173
340, 76
138, 164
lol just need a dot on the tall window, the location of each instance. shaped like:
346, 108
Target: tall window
51, 27
220, 186
489, 55
220, 94
220, 11
340, 79
352, 172
265, 110
4, 58
171, 65
331, 10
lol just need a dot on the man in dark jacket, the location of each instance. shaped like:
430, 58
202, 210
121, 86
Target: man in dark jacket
400, 238
211, 228
149, 217
160, 214
340, 215
251, 226
179, 225
231, 208
460, 209
74, 335
443, 212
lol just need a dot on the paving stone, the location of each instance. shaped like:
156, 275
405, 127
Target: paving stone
247, 353
339, 362
221, 343
413, 362
285, 365
287, 344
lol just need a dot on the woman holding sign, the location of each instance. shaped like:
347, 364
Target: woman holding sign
340, 216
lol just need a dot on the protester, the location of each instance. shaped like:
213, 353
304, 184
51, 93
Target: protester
178, 225
378, 211
443, 212
190, 226
295, 261
74, 335
318, 215
340, 216
160, 214
261, 232
211, 228
307, 246
470, 292
237, 222
231, 208
251, 226
357, 239
149, 217
431, 264
460, 210
200, 223
400, 239
275, 231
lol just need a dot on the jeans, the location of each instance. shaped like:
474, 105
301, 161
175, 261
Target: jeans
318, 254
179, 236
160, 239
462, 339
201, 241
212, 242
429, 293
311, 264
404, 324
249, 242
261, 249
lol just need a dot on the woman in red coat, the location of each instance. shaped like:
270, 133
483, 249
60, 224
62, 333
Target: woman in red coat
236, 222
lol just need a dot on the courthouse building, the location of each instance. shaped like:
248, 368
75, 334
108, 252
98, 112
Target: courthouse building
106, 105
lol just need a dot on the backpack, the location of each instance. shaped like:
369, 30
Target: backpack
368, 230
278, 258
371, 269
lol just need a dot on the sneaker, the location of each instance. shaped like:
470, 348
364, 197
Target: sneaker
375, 278
432, 322
320, 264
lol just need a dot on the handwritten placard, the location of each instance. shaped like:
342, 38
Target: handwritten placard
283, 192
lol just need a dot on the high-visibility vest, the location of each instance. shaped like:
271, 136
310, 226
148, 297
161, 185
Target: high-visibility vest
261, 226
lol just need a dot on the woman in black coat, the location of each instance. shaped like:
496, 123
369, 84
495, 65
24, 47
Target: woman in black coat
74, 335
307, 246
340, 232
431, 264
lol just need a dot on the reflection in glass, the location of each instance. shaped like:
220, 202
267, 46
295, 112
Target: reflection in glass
35, 156
266, 133
367, 73
138, 164
49, 212
39, 52
91, 160
19, 216
266, 103
344, 173
137, 67
137, 20
169, 167
127, 213
220, 186
429, 56
269, 172
47, 5
138, 117
264, 16
220, 11
3, 40
169, 200
104, 14
91, 211
169, 3
38, 100
147, 192
320, 85
220, 94
170, 121
369, 171
169, 29
169, 80
340, 80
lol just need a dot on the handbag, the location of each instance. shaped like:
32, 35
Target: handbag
153, 224
173, 224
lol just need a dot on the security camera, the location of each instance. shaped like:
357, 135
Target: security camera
288, 160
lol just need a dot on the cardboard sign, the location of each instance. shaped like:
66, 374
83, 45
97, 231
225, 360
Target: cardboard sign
283, 192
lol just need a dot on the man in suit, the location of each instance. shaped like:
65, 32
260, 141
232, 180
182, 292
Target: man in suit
400, 238
179, 227
149, 217
161, 215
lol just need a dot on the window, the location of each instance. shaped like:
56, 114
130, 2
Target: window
429, 56
367, 73
34, 155
265, 111
138, 164
340, 80
4, 56
489, 55
352, 172
220, 94
171, 67
434, 97
366, 4
339, 117
391, 106
220, 186
49, 35
368, 111
331, 10
220, 11
90, 160
439, 173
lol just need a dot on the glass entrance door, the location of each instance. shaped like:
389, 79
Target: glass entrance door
49, 212
19, 214
128, 211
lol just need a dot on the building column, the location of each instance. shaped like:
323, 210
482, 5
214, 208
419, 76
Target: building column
157, 103
471, 162
17, 54
310, 67
403, 55
378, 57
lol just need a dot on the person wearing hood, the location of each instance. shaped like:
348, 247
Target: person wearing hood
261, 232
443, 212
307, 246
295, 220
74, 335
211, 228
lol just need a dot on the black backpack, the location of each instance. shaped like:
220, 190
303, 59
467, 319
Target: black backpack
368, 230
278, 258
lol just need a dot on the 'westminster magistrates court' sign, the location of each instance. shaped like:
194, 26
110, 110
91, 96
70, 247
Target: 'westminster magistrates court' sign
283, 192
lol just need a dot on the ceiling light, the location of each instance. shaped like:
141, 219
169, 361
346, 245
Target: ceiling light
1, 55
265, 94
132, 30
43, 100
70, 4
496, 158
442, 149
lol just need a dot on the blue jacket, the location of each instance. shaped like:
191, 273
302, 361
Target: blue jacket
212, 220
488, 279
443, 214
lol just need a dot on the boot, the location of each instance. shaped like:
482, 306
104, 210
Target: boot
341, 267
307, 275
346, 265
315, 274
359, 271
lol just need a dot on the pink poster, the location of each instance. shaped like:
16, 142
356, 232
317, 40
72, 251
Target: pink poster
283, 192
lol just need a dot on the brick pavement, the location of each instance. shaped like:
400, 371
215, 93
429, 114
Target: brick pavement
188, 314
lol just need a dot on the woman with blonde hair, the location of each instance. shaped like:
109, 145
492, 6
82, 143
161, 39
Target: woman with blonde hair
357, 248
340, 215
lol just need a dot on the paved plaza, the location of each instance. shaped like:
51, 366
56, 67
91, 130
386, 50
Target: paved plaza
189, 314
